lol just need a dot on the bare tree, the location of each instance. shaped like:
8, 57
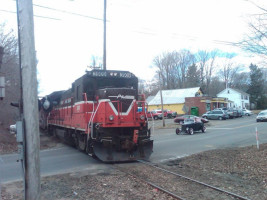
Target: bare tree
172, 68
184, 59
256, 39
229, 71
216, 86
11, 71
206, 62
9, 44
202, 58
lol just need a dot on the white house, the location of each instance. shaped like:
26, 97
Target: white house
240, 99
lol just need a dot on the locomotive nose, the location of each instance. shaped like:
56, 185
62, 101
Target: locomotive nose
107, 152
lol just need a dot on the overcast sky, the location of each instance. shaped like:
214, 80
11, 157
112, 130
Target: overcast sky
137, 31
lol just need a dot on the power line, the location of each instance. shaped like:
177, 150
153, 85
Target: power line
66, 12
8, 11
140, 31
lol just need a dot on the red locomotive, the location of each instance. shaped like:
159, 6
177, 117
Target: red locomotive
101, 114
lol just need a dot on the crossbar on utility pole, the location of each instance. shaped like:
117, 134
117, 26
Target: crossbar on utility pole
30, 99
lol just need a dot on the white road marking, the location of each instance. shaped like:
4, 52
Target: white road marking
220, 128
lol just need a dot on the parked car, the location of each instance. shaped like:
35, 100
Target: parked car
174, 114
237, 113
181, 119
215, 114
229, 111
262, 116
191, 125
247, 112
154, 115
167, 113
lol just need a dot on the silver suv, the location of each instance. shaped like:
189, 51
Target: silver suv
229, 111
215, 114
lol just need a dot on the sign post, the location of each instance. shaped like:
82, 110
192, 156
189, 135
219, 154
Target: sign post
257, 138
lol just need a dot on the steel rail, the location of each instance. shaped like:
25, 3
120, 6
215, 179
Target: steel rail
150, 183
193, 180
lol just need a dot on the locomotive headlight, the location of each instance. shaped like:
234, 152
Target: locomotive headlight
111, 117
142, 117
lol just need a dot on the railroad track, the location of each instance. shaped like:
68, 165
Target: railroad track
170, 192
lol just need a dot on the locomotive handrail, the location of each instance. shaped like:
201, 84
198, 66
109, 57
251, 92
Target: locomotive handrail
91, 120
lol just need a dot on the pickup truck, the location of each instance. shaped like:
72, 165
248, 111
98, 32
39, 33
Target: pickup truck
154, 115
167, 113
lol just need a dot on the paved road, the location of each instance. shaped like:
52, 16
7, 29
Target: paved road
167, 145
53, 161
230, 133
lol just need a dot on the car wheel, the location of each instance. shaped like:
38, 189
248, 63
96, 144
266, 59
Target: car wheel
258, 120
169, 116
204, 129
191, 131
177, 131
220, 118
156, 118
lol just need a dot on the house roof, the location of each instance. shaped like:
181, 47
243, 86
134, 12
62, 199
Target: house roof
174, 96
237, 90
149, 98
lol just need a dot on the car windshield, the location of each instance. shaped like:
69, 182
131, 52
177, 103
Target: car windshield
263, 113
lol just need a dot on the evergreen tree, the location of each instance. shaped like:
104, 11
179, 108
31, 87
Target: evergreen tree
256, 85
192, 77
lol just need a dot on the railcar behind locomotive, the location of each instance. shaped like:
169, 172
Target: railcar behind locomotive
101, 115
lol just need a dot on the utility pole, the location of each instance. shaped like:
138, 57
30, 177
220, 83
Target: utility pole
161, 101
105, 36
30, 100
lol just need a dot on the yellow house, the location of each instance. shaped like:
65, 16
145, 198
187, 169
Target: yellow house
174, 99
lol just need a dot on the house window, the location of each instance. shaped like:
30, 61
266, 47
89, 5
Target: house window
208, 106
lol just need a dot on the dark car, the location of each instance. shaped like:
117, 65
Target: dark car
238, 113
191, 125
181, 119
216, 114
